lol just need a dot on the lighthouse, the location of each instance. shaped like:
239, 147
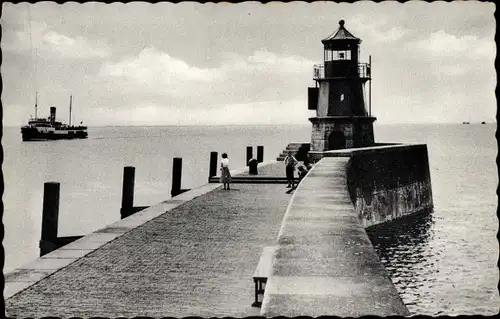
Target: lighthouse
339, 97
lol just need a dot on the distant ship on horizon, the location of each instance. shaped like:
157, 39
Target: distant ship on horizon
41, 129
483, 122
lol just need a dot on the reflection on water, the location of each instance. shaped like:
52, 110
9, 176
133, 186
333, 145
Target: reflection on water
432, 276
403, 248
402, 239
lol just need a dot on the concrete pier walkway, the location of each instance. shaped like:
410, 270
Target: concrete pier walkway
325, 263
196, 259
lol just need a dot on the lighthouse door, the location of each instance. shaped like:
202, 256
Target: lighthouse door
336, 140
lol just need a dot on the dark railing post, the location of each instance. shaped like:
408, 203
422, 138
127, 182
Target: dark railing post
370, 89
213, 164
50, 217
127, 191
176, 176
260, 154
249, 154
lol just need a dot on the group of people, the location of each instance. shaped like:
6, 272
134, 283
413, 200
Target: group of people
290, 164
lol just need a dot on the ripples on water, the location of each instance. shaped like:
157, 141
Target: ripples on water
435, 273
445, 262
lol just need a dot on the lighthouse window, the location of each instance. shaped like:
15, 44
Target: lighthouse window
342, 55
335, 55
341, 97
329, 55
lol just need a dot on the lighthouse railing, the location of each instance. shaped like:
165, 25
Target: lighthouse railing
363, 71
319, 71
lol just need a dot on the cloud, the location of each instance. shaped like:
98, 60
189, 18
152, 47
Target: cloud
268, 112
156, 71
67, 47
376, 28
442, 44
264, 61
41, 40
153, 74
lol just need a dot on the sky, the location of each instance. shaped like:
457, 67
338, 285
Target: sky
246, 63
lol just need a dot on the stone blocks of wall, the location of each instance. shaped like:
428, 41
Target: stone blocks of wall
323, 94
387, 183
358, 131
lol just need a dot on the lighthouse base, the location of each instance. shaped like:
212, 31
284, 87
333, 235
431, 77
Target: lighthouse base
340, 132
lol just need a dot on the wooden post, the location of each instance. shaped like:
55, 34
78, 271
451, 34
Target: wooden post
249, 154
176, 176
50, 217
252, 167
260, 154
213, 164
127, 191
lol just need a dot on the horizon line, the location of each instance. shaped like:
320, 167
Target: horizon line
265, 124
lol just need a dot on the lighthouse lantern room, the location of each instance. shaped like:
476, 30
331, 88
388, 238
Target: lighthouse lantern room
341, 120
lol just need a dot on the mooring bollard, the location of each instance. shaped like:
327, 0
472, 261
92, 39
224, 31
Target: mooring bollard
127, 191
213, 164
176, 176
260, 154
252, 167
50, 218
249, 154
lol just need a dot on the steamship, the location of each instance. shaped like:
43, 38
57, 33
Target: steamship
41, 129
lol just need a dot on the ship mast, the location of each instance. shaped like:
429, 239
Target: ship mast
36, 104
33, 59
70, 100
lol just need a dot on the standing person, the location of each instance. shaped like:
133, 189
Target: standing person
225, 175
290, 162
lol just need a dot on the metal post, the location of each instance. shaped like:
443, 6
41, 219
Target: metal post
127, 191
249, 154
70, 100
370, 96
213, 164
176, 176
50, 217
260, 154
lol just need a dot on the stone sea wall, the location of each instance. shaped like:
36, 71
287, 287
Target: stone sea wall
389, 182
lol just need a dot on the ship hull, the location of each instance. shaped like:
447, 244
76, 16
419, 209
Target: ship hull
32, 134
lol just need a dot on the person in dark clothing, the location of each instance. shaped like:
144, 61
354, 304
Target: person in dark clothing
302, 173
290, 162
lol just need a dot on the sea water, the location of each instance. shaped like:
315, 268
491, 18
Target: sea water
443, 263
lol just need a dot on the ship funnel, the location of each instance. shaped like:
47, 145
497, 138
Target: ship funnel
52, 115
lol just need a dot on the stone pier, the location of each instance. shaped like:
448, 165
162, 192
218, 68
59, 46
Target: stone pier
325, 263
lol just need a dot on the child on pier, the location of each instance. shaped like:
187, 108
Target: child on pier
302, 173
225, 175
